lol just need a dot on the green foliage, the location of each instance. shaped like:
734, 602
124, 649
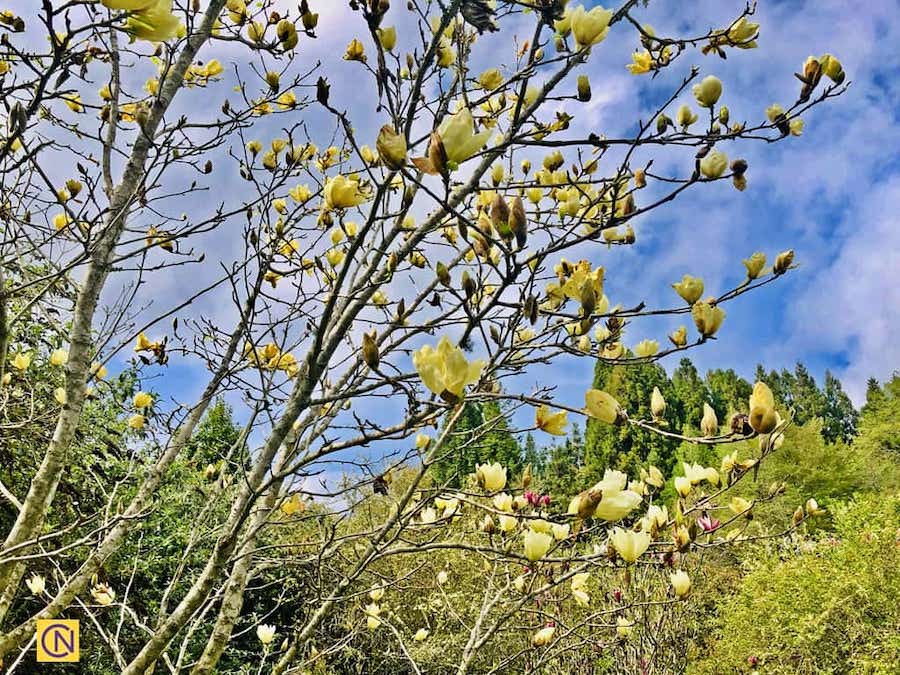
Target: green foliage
879, 426
832, 607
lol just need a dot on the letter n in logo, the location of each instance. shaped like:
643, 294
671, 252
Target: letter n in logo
57, 641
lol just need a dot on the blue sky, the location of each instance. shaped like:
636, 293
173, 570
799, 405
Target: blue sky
832, 194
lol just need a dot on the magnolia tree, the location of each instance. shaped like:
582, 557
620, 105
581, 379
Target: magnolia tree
384, 267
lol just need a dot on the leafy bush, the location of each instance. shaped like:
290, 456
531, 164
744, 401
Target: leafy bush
834, 608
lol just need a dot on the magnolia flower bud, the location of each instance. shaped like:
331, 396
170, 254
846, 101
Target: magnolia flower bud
604, 407
273, 79
708, 91
370, 350
286, 33
518, 223
812, 508
681, 583
709, 425
387, 38
391, 147
723, 115
543, 637
783, 262
584, 88
657, 404
763, 420
487, 525
797, 518
662, 123
500, 217
832, 68
684, 117
497, 173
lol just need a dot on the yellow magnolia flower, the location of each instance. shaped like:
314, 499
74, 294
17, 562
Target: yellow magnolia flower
155, 23
642, 63
73, 102
616, 501
142, 400
755, 264
293, 505
137, 421
377, 593
646, 348
21, 361
681, 583
589, 27
551, 422
421, 635
543, 637
624, 627
685, 117
265, 633
507, 523
103, 594
300, 193
428, 516
679, 337
683, 485
342, 193
741, 33
653, 476
739, 505
689, 288
579, 588
714, 164
36, 584
59, 394
492, 477
457, 133
707, 319
355, 51
490, 79
708, 91
127, 5
774, 111
503, 502
442, 577
387, 37
422, 441
98, 370
445, 370
560, 531
537, 544
630, 545
602, 406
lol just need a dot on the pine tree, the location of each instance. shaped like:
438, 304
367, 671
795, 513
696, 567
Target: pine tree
624, 447
480, 435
